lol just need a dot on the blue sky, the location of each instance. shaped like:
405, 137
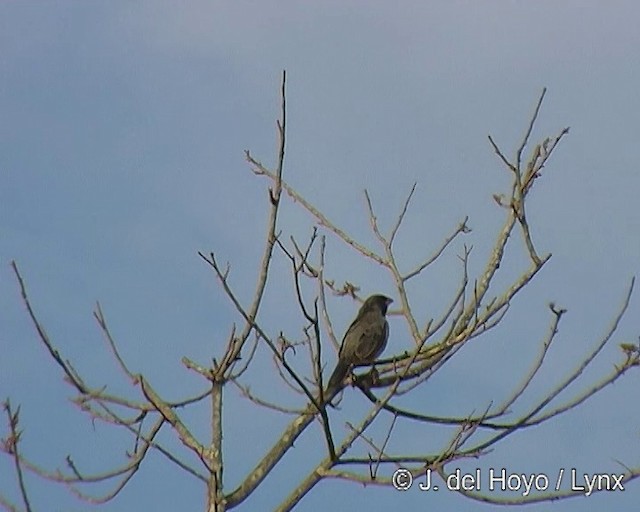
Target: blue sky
122, 131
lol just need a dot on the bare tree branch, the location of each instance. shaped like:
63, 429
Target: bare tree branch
10, 446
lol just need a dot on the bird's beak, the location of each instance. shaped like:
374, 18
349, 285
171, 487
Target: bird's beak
389, 301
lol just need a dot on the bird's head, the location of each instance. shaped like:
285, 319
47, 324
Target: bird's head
377, 301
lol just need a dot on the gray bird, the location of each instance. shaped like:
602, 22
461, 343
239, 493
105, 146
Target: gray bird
363, 342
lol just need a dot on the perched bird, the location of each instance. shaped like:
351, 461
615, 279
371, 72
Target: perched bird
363, 342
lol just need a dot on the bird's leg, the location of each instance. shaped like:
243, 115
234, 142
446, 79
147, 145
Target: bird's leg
352, 378
367, 380
374, 374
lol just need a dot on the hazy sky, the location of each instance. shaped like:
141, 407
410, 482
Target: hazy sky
122, 131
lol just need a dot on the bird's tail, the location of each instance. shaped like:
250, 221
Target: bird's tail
336, 379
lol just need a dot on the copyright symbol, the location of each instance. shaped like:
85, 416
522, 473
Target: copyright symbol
402, 479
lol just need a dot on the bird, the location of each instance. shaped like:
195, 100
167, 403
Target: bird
363, 342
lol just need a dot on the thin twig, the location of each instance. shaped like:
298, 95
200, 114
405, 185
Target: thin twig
10, 445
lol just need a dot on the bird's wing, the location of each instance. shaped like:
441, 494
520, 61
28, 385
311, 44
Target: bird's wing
385, 338
372, 340
351, 332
